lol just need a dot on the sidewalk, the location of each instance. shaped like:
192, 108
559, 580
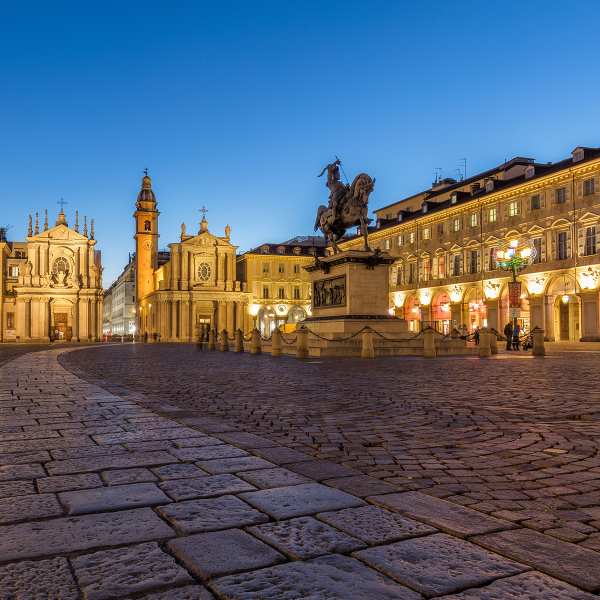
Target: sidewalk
104, 494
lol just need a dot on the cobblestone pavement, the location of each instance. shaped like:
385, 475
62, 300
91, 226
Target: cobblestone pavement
110, 492
11, 351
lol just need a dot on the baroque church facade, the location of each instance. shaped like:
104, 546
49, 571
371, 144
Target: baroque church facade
195, 290
53, 290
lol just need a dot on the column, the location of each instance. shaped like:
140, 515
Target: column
455, 311
493, 316
83, 320
221, 316
221, 269
45, 320
184, 315
536, 312
20, 319
550, 335
185, 276
425, 314
35, 319
192, 320
230, 275
173, 332
174, 269
28, 319
230, 318
76, 337
239, 317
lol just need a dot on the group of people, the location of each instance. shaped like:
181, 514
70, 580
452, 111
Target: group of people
512, 334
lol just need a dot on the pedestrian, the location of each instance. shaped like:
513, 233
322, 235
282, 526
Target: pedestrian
476, 335
515, 336
463, 332
145, 337
508, 332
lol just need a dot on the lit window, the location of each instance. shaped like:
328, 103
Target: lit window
456, 225
411, 237
588, 187
426, 233
561, 195
453, 199
493, 215
441, 267
14, 271
473, 220
426, 269
562, 246
399, 241
513, 209
535, 202
386, 244
590, 240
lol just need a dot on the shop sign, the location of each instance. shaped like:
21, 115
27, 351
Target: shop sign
514, 313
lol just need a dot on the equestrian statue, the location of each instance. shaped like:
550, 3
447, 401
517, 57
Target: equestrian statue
347, 206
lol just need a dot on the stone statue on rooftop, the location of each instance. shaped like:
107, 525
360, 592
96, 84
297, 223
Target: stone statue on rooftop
348, 206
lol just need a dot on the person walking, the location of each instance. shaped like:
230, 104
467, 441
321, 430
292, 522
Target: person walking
508, 332
515, 338
476, 335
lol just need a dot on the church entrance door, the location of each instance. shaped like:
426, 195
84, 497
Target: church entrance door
60, 332
564, 321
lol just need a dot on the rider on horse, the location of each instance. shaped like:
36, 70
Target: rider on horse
337, 188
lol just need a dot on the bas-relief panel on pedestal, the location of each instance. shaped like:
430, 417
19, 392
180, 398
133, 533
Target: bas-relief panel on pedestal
329, 292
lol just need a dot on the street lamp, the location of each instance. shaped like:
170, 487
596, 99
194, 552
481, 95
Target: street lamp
514, 255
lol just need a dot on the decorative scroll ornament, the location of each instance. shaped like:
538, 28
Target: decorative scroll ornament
492, 289
590, 278
455, 293
536, 284
425, 298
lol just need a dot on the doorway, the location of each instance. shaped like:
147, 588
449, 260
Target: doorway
60, 332
563, 320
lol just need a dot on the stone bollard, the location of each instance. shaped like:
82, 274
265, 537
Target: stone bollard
367, 343
539, 349
302, 343
455, 334
212, 341
255, 347
276, 342
429, 343
239, 341
224, 342
493, 341
484, 343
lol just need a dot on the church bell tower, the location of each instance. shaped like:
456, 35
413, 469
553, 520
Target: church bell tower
146, 239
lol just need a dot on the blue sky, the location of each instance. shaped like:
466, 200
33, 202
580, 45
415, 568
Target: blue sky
239, 105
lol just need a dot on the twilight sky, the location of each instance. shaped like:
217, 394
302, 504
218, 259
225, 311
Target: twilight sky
238, 106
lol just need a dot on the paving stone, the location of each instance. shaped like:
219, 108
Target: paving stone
281, 454
130, 459
210, 555
191, 592
329, 577
44, 579
113, 573
450, 518
571, 563
300, 500
246, 440
25, 457
147, 446
526, 586
197, 442
321, 469
208, 452
16, 488
375, 525
65, 483
47, 444
362, 485
306, 537
24, 508
195, 516
147, 435
45, 538
121, 476
438, 564
87, 451
235, 465
204, 487
273, 478
28, 471
110, 498
566, 533
179, 471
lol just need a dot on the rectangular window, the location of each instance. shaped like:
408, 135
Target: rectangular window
513, 209
265, 291
10, 320
589, 187
442, 267
281, 268
456, 265
492, 262
561, 195
426, 233
411, 237
473, 262
296, 293
537, 242
535, 202
426, 268
399, 241
281, 293
456, 225
296, 269
493, 215
562, 246
412, 274
473, 220
386, 245
265, 267
590, 240
14, 271
440, 229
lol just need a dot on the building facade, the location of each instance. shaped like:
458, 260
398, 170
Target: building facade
279, 286
119, 304
52, 285
443, 239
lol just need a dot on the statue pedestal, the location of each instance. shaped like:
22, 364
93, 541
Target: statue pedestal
349, 291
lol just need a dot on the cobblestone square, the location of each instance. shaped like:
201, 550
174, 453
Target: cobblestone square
112, 456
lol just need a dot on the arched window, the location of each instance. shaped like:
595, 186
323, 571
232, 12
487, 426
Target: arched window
60, 264
297, 251
147, 226
203, 271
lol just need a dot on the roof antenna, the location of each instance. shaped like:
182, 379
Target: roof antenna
464, 166
460, 173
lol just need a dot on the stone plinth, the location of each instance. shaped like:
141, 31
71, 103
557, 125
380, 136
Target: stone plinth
349, 291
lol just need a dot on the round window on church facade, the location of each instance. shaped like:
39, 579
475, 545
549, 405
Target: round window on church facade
203, 271
60, 264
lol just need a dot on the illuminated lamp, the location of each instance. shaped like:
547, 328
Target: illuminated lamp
391, 311
254, 309
514, 243
565, 298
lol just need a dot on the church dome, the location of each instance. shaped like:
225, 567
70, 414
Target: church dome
146, 194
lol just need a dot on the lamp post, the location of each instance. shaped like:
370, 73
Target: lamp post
514, 255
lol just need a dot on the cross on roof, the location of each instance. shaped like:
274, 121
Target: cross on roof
62, 203
203, 210
146, 171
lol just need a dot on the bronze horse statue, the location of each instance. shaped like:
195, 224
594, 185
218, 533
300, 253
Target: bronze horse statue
347, 206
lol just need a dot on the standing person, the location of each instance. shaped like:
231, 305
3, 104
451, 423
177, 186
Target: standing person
508, 332
476, 335
515, 339
463, 332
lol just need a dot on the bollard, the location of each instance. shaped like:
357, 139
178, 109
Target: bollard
276, 342
255, 348
367, 343
239, 341
484, 343
455, 334
429, 343
212, 342
493, 341
224, 342
302, 343
539, 349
